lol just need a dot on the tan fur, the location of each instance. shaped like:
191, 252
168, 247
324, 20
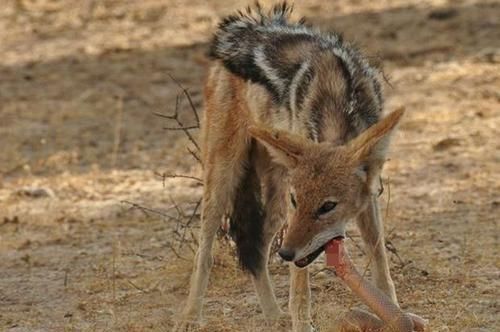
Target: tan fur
236, 112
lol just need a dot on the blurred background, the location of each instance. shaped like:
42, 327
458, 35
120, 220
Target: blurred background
93, 238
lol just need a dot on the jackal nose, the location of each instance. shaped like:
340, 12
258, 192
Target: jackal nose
286, 254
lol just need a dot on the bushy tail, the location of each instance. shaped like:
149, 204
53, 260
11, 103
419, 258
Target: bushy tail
247, 220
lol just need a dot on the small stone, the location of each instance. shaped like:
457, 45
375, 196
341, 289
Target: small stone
443, 14
321, 275
446, 144
35, 192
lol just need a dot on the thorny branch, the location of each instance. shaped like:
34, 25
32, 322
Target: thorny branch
180, 229
191, 218
164, 176
180, 128
175, 116
188, 96
147, 210
183, 226
195, 156
180, 124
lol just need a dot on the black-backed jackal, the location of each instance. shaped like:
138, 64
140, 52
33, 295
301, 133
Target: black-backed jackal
292, 132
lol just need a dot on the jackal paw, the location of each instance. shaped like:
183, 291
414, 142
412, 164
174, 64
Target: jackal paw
419, 323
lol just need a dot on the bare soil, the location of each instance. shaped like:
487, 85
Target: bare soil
79, 83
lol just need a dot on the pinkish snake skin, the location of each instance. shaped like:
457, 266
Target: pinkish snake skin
391, 317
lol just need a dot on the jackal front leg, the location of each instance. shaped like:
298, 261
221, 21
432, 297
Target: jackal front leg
372, 231
300, 299
263, 285
275, 215
218, 190
191, 315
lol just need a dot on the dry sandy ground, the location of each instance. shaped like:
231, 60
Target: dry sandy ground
79, 81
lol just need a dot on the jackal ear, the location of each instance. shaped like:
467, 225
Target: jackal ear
369, 149
372, 144
285, 148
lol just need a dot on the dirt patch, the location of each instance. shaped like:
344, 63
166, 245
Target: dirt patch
80, 81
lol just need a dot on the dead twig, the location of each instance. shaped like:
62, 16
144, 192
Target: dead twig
388, 198
181, 229
180, 124
180, 128
118, 131
171, 247
180, 212
188, 223
147, 210
136, 287
168, 175
113, 267
356, 244
165, 116
188, 96
388, 244
195, 156
391, 248
142, 290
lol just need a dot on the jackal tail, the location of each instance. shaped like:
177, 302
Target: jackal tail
247, 220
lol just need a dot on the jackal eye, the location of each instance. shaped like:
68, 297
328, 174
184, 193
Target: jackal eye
326, 207
292, 199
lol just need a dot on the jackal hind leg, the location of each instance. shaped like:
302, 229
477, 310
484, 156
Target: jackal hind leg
372, 232
221, 177
274, 195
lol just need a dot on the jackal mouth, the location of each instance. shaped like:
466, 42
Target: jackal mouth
303, 262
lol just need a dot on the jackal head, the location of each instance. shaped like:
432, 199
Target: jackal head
329, 185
